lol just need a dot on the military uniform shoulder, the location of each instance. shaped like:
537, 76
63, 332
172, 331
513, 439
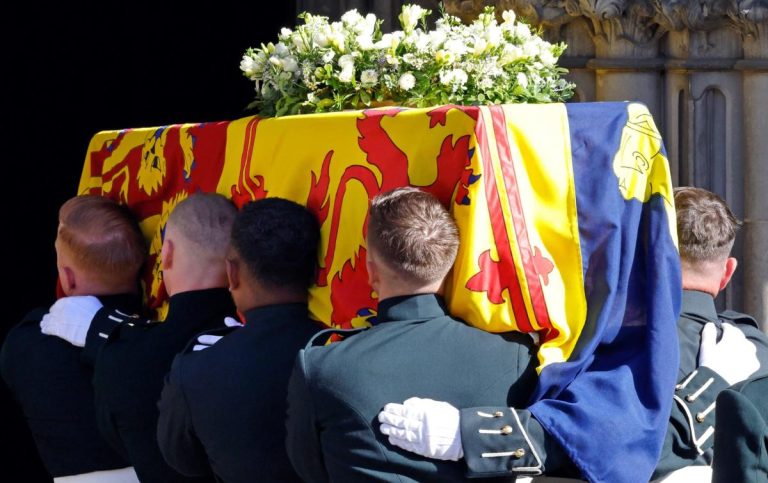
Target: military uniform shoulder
737, 318
219, 331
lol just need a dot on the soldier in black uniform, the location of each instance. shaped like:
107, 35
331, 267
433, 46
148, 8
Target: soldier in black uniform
336, 391
134, 358
99, 251
741, 440
224, 408
706, 231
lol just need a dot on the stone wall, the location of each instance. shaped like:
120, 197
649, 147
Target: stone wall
701, 67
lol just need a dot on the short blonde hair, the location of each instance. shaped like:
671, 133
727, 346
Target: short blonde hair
102, 238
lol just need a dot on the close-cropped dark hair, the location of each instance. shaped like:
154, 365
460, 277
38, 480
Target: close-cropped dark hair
414, 234
277, 241
706, 227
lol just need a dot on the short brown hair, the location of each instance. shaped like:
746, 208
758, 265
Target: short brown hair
102, 237
205, 219
414, 234
706, 227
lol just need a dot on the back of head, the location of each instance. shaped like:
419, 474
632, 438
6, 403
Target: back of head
203, 222
102, 240
706, 227
277, 241
413, 234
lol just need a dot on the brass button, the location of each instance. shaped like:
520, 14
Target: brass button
506, 429
700, 417
498, 414
519, 453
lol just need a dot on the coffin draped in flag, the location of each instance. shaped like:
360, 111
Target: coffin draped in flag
566, 222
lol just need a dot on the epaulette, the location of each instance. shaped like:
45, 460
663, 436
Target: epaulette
737, 318
327, 336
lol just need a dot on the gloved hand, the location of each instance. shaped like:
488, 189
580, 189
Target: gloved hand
734, 358
70, 318
207, 340
424, 426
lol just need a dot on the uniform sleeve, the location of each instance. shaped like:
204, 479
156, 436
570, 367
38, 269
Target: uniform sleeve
500, 441
302, 433
740, 440
692, 421
179, 444
102, 326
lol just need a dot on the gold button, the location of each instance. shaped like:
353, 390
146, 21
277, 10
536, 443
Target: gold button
498, 414
519, 453
700, 418
506, 429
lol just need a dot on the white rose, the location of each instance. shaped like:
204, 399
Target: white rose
480, 46
281, 49
522, 31
248, 65
493, 36
369, 77
406, 81
510, 54
347, 74
285, 33
290, 64
320, 39
410, 16
522, 80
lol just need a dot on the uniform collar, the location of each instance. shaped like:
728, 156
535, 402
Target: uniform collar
129, 303
278, 313
410, 307
699, 304
199, 304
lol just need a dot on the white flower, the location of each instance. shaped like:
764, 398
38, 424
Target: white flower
510, 54
290, 64
365, 42
546, 56
369, 77
351, 17
436, 38
366, 25
522, 80
320, 38
522, 31
493, 36
336, 40
411, 15
485, 83
530, 49
285, 33
281, 50
275, 61
347, 74
347, 62
480, 46
456, 47
406, 81
455, 78
248, 66
445, 57
328, 56
509, 17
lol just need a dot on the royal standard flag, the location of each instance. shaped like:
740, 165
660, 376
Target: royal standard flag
567, 231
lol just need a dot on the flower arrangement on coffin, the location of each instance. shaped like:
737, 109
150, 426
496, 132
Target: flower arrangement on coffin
350, 64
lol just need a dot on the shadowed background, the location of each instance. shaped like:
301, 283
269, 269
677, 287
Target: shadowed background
70, 71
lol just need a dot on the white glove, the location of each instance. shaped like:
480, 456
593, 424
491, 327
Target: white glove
207, 340
734, 358
425, 427
70, 318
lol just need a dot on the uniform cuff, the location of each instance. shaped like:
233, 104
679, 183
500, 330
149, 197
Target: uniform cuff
498, 441
696, 395
102, 326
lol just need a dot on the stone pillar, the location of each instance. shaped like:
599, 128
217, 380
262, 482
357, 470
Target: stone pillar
754, 263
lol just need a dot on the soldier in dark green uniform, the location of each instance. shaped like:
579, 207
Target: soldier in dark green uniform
99, 251
706, 231
741, 439
132, 358
415, 348
223, 409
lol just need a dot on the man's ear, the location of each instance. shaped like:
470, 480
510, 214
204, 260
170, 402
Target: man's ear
373, 272
233, 274
730, 267
166, 254
68, 280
